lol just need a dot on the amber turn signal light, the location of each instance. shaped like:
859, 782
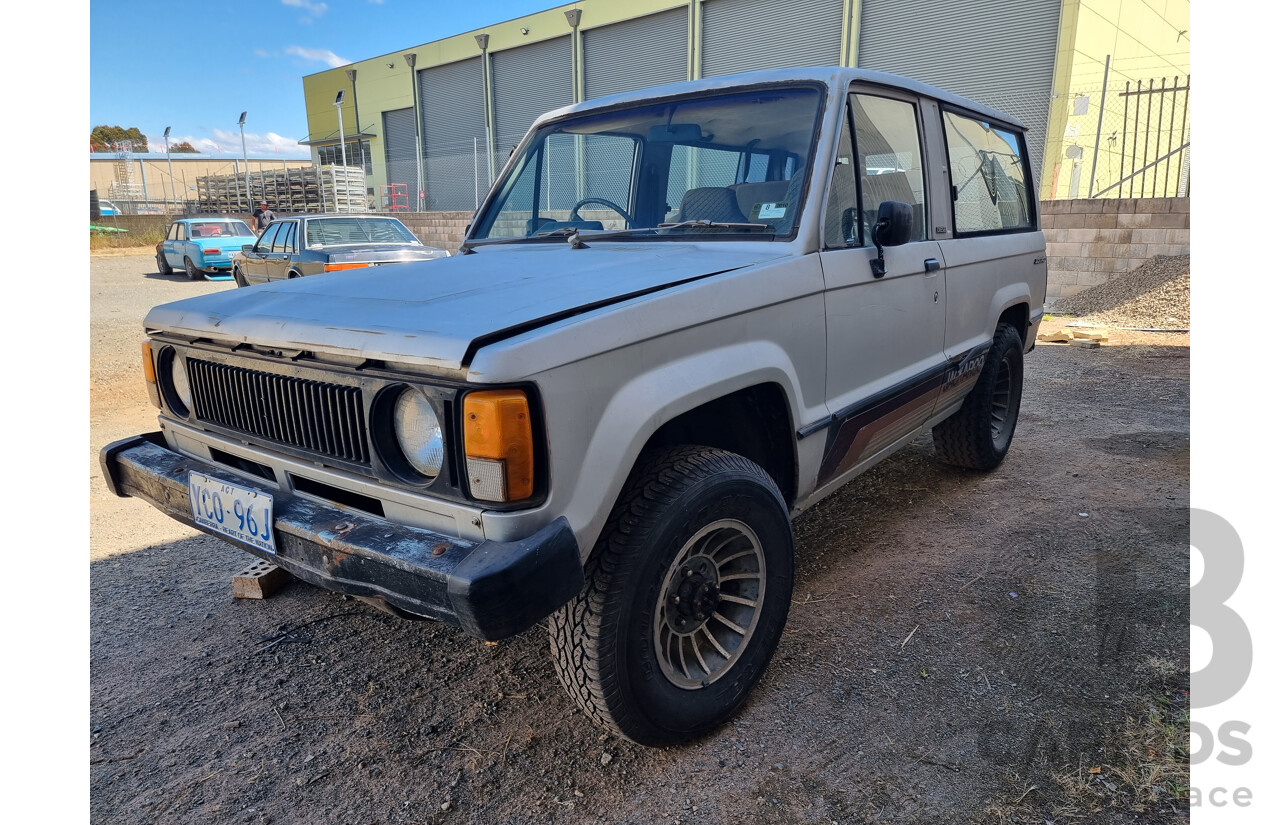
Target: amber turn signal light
149, 372
338, 267
498, 440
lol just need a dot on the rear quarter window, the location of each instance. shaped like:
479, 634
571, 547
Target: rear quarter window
989, 182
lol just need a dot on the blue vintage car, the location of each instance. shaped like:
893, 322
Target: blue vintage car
202, 246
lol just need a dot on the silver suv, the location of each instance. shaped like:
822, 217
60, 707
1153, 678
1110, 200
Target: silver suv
681, 317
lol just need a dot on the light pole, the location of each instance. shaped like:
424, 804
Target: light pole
342, 141
244, 151
411, 60
169, 155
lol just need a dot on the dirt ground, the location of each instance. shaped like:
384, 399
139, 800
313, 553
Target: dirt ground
961, 647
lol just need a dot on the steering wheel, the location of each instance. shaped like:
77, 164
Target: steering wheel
574, 216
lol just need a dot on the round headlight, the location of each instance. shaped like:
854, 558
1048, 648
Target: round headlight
178, 375
418, 431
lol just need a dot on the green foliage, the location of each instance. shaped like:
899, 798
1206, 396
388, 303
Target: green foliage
105, 138
184, 147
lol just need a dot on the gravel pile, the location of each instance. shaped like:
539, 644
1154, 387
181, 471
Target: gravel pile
1156, 295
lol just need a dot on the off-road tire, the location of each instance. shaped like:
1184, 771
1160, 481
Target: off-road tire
193, 274
973, 437
604, 641
238, 276
163, 264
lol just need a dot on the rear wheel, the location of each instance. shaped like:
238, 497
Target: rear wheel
978, 435
687, 593
193, 274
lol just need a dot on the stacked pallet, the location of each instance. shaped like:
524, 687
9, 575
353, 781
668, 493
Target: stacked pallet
288, 191
343, 189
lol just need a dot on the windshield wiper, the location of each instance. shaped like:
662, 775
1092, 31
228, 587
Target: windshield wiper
575, 237
714, 225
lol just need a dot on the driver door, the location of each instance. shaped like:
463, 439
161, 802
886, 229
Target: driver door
172, 245
254, 266
884, 334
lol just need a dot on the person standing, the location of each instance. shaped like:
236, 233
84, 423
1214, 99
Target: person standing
262, 217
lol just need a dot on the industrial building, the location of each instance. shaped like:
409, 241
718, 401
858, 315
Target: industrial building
433, 123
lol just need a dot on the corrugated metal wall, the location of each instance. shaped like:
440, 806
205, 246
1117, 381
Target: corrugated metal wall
400, 141
636, 54
992, 51
527, 82
453, 135
744, 35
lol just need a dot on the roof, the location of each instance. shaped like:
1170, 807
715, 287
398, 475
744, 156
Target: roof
828, 75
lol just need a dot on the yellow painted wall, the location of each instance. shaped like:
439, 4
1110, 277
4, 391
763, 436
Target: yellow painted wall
1147, 39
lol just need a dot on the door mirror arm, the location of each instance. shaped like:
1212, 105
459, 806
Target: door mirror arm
892, 228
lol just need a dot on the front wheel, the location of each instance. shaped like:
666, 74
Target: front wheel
978, 435
162, 263
193, 274
238, 277
687, 593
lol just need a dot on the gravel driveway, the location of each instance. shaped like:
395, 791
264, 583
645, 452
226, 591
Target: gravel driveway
961, 648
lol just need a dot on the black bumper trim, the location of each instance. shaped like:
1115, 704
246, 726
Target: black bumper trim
490, 589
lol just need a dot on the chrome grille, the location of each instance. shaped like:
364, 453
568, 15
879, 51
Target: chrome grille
310, 415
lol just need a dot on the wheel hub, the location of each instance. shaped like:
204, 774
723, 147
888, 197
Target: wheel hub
692, 596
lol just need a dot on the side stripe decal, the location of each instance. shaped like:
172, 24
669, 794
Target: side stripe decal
852, 432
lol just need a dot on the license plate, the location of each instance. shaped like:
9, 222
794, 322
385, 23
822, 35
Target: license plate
233, 511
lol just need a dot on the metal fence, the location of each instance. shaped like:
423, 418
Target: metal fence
1127, 139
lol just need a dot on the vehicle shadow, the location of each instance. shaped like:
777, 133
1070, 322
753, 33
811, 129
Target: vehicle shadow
172, 276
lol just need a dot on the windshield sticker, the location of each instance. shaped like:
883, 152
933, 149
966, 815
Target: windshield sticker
768, 211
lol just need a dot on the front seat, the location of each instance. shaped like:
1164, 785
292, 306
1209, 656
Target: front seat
710, 203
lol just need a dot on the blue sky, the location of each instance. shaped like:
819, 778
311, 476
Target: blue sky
196, 66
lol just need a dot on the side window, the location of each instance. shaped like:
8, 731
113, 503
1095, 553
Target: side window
173, 232
284, 238
181, 232
988, 176
887, 138
840, 227
268, 237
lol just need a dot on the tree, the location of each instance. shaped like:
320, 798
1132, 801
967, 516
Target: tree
106, 138
185, 147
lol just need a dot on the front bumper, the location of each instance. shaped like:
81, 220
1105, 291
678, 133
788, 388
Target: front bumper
489, 589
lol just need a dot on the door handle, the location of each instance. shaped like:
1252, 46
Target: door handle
932, 265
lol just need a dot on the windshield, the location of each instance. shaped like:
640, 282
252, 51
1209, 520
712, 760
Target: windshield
220, 229
335, 231
725, 165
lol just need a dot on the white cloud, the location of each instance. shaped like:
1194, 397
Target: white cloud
263, 53
317, 56
226, 143
311, 10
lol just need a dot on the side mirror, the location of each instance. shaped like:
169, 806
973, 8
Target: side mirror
893, 228
246, 247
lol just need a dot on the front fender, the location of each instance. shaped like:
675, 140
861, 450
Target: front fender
649, 400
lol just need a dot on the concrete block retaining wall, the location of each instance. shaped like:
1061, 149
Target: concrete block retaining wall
1091, 241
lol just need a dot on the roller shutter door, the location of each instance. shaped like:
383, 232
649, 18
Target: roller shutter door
997, 53
636, 54
745, 35
528, 81
453, 136
398, 139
